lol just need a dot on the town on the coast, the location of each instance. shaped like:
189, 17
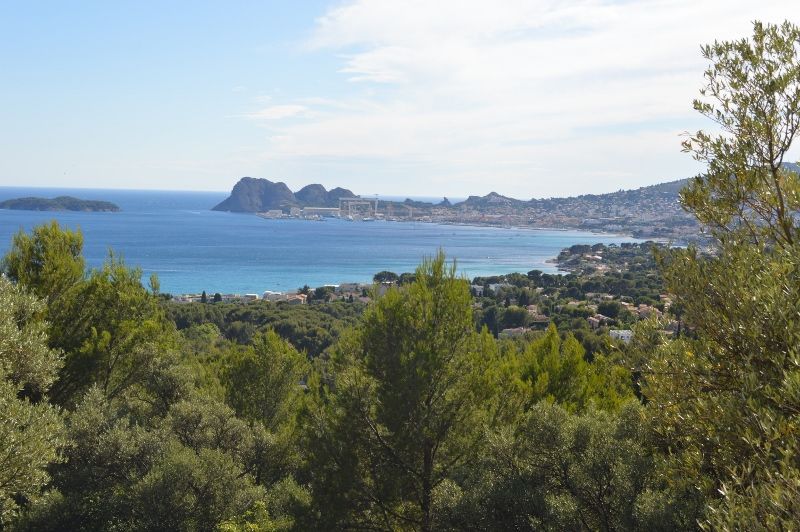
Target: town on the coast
652, 212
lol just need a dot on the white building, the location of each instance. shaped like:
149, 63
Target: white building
274, 296
621, 334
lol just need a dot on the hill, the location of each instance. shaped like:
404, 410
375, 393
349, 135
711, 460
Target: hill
259, 195
60, 203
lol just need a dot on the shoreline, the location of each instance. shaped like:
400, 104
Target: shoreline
467, 224
550, 262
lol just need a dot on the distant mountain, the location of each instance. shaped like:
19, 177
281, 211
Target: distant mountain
60, 203
259, 195
667, 191
492, 199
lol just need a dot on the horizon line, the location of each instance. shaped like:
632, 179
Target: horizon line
123, 189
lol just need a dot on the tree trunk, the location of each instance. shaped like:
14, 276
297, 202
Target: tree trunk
427, 474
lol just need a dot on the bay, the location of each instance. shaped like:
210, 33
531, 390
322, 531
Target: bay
191, 248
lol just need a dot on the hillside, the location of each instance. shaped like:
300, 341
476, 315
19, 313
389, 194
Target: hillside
652, 212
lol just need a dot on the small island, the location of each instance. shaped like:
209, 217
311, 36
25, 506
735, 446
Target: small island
60, 203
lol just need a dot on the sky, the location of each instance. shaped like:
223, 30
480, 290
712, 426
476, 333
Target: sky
528, 98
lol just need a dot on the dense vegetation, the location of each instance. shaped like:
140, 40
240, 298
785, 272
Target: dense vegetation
310, 328
120, 411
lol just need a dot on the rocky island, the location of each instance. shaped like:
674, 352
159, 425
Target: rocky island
252, 194
60, 203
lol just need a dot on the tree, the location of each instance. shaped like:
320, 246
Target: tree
263, 381
217, 297
263, 385
155, 284
31, 432
753, 95
323, 293
406, 278
111, 329
553, 369
724, 398
186, 470
610, 309
524, 298
514, 316
402, 404
556, 471
203, 297
48, 261
385, 277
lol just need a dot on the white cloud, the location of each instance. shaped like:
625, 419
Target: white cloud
526, 97
277, 112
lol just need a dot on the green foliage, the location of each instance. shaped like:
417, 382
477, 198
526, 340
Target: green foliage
309, 328
189, 490
753, 95
263, 381
611, 309
110, 329
408, 391
48, 261
556, 471
514, 316
108, 325
406, 278
724, 399
385, 277
31, 433
555, 370
155, 284
323, 293
189, 470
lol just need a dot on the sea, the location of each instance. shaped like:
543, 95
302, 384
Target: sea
191, 248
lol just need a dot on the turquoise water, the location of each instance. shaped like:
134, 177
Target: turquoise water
192, 248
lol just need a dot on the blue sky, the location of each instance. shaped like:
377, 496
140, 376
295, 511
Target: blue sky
398, 97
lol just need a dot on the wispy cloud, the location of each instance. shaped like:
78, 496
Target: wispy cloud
532, 98
277, 112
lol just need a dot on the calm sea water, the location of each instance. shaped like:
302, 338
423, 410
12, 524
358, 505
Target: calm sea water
192, 248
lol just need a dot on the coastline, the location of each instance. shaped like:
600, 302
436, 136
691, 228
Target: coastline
612, 234
191, 248
552, 261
